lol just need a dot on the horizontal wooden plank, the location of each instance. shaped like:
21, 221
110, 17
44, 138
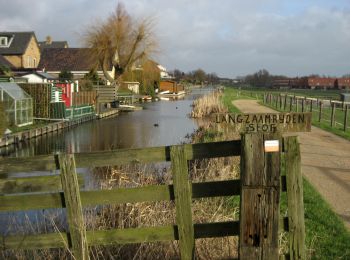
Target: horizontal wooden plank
33, 184
117, 196
41, 241
121, 236
26, 164
121, 156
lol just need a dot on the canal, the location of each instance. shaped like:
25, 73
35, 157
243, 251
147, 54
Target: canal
159, 123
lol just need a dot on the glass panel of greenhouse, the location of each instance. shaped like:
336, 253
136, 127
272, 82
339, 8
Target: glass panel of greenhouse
18, 105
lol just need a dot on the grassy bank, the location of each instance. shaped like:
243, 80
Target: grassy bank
326, 235
233, 93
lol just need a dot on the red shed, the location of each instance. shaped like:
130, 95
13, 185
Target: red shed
66, 92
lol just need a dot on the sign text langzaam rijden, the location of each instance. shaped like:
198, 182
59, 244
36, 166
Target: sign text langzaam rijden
267, 122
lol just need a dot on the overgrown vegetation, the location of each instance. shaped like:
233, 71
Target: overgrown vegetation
121, 42
65, 75
207, 105
132, 215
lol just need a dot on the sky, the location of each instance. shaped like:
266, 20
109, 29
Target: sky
229, 37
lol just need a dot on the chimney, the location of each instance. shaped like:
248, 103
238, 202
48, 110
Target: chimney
48, 39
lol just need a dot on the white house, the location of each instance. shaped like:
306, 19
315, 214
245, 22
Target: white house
38, 77
163, 72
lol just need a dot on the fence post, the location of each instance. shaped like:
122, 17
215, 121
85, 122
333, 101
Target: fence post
70, 186
285, 102
291, 104
302, 105
346, 118
297, 104
260, 195
320, 112
280, 97
333, 114
312, 101
183, 201
295, 202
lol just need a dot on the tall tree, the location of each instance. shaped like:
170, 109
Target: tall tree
120, 41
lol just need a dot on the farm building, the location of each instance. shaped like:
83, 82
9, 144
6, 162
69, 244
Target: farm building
343, 83
18, 105
325, 83
171, 86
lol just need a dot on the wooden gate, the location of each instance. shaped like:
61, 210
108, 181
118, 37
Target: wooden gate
259, 188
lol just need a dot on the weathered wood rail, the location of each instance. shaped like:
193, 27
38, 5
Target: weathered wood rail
257, 229
333, 112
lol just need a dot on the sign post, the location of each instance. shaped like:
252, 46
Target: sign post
260, 177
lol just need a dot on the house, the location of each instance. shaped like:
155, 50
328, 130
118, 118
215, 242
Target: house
5, 63
170, 86
343, 83
38, 77
75, 60
48, 43
325, 83
21, 49
164, 73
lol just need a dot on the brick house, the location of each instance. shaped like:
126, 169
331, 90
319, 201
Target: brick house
21, 49
75, 60
325, 83
49, 43
343, 83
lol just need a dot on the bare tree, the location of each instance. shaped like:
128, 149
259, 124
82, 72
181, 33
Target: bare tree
121, 42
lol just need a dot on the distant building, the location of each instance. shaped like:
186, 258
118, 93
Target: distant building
21, 49
38, 77
48, 43
325, 83
343, 83
170, 86
164, 73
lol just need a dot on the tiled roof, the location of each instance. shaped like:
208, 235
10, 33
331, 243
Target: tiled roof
71, 59
5, 62
54, 44
19, 42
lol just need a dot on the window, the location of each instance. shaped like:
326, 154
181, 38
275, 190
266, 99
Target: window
3, 41
29, 62
34, 62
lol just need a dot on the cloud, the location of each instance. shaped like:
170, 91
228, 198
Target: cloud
229, 37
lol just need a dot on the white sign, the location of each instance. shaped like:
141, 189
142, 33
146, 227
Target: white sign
271, 146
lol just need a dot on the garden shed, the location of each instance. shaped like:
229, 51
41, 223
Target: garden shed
18, 105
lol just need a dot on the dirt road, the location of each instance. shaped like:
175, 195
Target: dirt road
325, 160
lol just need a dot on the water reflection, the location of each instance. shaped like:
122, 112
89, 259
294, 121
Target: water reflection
160, 123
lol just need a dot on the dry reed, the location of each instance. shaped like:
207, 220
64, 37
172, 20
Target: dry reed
208, 105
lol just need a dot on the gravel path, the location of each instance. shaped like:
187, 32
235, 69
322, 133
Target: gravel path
325, 160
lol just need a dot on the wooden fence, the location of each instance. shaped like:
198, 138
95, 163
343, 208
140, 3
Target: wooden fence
259, 188
334, 113
84, 98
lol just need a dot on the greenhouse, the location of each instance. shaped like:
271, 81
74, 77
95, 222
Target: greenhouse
18, 105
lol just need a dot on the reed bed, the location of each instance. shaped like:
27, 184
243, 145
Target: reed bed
208, 105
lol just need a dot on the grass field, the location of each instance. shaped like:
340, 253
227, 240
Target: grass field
325, 123
326, 235
315, 93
